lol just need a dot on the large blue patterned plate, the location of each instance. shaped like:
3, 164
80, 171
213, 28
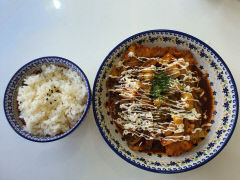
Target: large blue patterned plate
224, 116
10, 102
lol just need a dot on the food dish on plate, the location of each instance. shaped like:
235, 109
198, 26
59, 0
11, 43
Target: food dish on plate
47, 99
160, 100
51, 100
224, 111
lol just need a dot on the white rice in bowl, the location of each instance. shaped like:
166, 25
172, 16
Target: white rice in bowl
52, 101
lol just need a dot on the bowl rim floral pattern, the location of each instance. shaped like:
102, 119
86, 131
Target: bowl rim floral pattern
145, 167
46, 60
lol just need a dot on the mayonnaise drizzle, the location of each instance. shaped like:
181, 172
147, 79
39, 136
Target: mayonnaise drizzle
141, 117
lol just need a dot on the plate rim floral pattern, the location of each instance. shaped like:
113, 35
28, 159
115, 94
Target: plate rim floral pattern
48, 60
148, 167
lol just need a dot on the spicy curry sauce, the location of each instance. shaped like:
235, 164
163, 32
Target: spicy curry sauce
160, 101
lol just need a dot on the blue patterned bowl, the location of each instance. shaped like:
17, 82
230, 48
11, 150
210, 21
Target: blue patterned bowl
225, 94
10, 102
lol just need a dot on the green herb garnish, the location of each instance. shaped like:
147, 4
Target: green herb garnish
160, 85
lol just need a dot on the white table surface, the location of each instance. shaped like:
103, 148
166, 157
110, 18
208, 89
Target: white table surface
85, 32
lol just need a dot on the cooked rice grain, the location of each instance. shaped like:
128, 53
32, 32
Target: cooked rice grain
53, 100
